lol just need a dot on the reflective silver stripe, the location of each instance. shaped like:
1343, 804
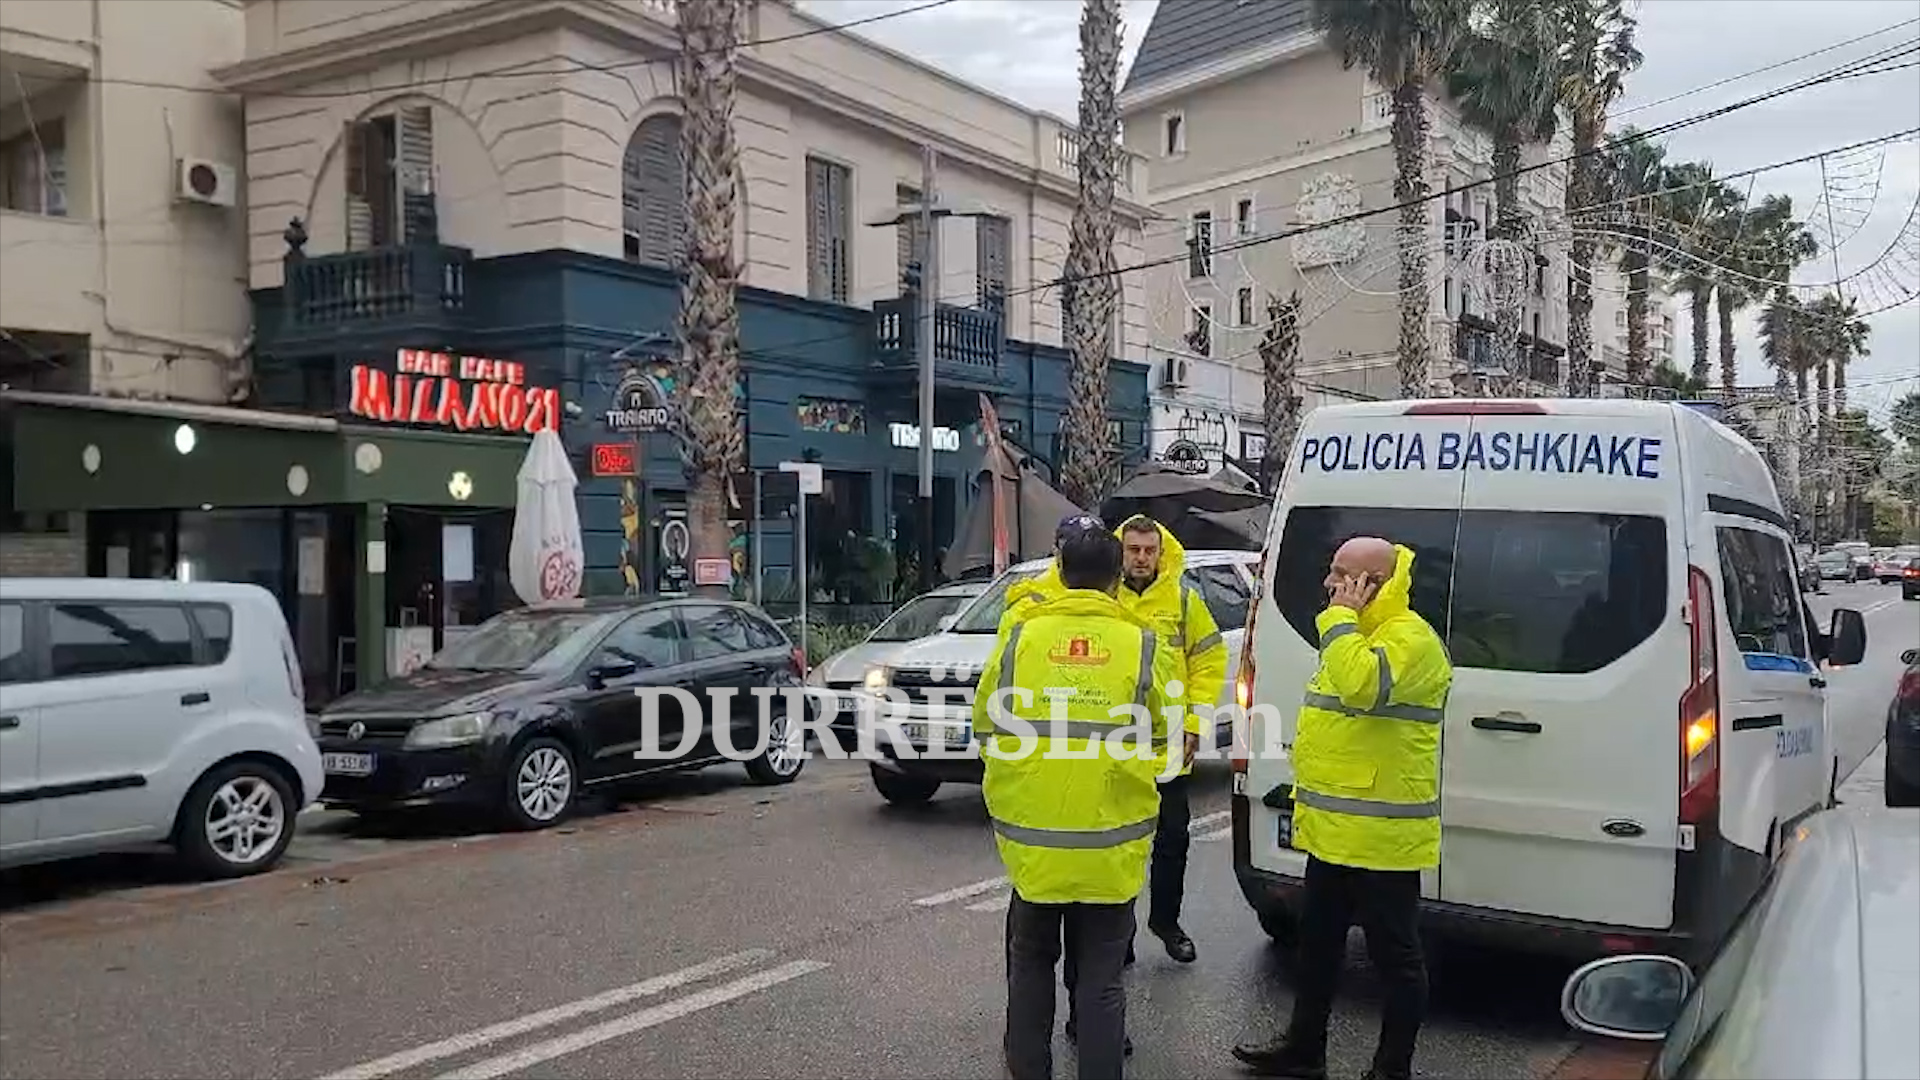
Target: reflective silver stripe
1337, 804
1073, 729
1006, 656
1143, 687
1075, 838
1204, 644
1418, 714
1386, 679
1338, 632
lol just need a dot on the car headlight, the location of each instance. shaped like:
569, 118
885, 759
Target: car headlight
313, 725
877, 678
449, 731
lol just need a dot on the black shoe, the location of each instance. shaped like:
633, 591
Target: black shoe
1126, 1045
1129, 954
1279, 1058
1179, 945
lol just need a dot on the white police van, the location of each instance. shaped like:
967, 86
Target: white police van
1638, 713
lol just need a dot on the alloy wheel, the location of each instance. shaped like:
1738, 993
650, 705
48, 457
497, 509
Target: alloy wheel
785, 750
545, 783
245, 819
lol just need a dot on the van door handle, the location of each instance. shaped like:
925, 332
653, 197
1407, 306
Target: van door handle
7, 723
198, 697
1817, 682
1501, 723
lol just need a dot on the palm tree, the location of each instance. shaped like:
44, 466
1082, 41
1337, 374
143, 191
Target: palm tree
1839, 335
1779, 347
707, 411
1596, 54
1696, 208
1503, 81
1405, 45
1087, 470
1765, 247
1629, 183
1280, 370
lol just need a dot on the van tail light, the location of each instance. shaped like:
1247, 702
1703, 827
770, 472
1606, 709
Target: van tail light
1243, 684
1700, 706
1909, 688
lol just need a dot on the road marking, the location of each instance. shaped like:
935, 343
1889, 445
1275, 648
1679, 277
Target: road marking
998, 903
1217, 834
634, 1022
962, 892
1866, 611
521, 1025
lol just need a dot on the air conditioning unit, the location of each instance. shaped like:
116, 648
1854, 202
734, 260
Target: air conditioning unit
201, 180
1175, 374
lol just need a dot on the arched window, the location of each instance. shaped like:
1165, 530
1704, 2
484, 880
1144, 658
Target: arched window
653, 194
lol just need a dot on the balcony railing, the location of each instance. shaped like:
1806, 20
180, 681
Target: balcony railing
419, 281
967, 342
1066, 158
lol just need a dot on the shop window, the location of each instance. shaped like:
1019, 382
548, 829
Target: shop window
232, 545
832, 416
653, 194
111, 639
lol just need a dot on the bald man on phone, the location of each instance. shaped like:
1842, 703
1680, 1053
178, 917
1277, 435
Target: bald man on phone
1366, 806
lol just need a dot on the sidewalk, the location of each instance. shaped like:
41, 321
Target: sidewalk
1867, 785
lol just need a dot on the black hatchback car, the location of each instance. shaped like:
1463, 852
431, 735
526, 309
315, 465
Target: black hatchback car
539, 702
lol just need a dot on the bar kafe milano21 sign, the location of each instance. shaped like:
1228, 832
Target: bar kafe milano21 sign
462, 393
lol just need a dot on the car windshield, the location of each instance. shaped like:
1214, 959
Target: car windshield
983, 617
525, 640
1833, 558
919, 617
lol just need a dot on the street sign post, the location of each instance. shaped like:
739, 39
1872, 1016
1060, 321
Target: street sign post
808, 475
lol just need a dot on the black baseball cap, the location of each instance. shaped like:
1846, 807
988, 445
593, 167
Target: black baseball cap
1076, 525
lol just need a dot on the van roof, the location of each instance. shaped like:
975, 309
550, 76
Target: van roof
39, 588
1477, 406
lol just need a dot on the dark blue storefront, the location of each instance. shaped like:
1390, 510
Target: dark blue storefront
822, 382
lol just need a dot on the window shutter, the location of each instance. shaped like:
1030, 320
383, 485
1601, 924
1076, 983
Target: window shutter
359, 213
993, 250
839, 195
653, 193
827, 239
415, 132
908, 231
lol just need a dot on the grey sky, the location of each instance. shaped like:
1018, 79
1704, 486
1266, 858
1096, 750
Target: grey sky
1027, 50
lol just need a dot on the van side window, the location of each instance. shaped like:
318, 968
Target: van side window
1763, 604
1555, 593
1225, 594
216, 630
15, 664
1312, 533
107, 639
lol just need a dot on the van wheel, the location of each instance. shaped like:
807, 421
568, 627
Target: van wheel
238, 820
541, 784
903, 790
1280, 925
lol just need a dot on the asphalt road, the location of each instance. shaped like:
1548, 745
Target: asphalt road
705, 928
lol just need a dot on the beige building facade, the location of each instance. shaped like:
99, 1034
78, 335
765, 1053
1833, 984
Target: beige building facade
550, 125
1251, 127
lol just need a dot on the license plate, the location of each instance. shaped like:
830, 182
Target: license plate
347, 764
1286, 831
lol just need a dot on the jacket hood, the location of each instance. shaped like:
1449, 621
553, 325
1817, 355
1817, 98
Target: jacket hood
1043, 585
1173, 557
1084, 603
1394, 597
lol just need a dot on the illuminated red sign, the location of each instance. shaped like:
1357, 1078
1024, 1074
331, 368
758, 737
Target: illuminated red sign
465, 393
614, 459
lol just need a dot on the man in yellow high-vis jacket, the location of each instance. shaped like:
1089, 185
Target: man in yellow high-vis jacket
1366, 796
1073, 803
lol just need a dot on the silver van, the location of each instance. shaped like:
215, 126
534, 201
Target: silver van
1820, 977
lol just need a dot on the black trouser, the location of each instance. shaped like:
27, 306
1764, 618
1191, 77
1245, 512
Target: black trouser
1097, 936
1167, 872
1386, 903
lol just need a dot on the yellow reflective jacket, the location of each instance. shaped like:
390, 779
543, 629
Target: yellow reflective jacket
1073, 829
1366, 753
1024, 596
1180, 616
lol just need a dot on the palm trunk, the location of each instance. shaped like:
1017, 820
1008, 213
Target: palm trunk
1637, 285
1702, 302
1729, 362
712, 442
1849, 475
1280, 368
1823, 437
1508, 289
1411, 137
1087, 471
1583, 377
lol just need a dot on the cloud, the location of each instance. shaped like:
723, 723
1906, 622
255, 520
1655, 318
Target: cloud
1030, 52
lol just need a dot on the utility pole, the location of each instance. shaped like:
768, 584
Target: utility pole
929, 311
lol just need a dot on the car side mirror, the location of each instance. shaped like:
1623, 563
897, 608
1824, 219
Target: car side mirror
1636, 997
609, 670
1849, 638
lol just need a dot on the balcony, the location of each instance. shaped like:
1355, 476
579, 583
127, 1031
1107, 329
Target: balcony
328, 298
967, 343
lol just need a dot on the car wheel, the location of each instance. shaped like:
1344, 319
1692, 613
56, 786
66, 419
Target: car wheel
1901, 793
903, 790
542, 784
785, 756
238, 820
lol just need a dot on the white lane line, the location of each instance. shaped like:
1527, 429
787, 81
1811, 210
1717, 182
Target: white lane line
1864, 612
1217, 834
521, 1025
961, 893
998, 903
1205, 820
633, 1023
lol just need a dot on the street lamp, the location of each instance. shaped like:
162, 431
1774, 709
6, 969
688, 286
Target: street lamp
929, 210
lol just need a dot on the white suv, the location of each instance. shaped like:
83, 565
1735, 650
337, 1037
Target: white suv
937, 675
135, 711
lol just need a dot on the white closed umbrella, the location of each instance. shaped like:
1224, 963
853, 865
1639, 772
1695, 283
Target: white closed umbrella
545, 559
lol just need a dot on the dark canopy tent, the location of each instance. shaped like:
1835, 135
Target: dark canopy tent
1182, 502
1034, 511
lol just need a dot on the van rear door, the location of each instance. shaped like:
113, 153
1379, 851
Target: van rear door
1559, 772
